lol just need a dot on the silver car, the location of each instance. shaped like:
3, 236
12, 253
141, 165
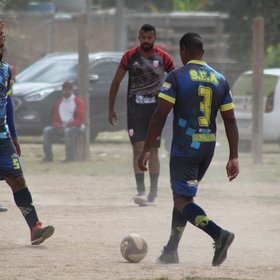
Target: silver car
242, 95
39, 85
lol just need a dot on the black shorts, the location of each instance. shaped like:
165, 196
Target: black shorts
138, 118
186, 172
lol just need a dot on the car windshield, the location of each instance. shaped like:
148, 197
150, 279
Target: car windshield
243, 85
49, 72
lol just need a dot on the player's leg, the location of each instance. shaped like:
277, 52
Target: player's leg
70, 135
11, 171
154, 169
137, 133
48, 133
170, 251
23, 200
140, 197
154, 163
193, 213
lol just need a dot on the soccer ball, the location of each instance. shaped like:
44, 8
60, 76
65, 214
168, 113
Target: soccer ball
134, 248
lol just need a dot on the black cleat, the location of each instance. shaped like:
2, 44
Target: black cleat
221, 246
168, 257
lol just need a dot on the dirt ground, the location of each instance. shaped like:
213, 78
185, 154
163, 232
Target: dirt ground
93, 212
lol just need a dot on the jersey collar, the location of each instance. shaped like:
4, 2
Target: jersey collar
197, 62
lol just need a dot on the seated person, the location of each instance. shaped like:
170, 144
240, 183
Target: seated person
68, 121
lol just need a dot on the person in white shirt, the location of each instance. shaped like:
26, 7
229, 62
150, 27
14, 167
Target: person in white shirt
68, 121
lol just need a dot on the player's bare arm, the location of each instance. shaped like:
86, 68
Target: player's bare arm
120, 73
232, 166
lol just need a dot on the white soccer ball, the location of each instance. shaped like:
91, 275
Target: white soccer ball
134, 248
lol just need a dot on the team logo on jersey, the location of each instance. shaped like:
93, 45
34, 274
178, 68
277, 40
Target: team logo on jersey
166, 86
155, 63
136, 64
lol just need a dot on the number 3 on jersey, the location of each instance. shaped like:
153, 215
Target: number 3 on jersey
205, 106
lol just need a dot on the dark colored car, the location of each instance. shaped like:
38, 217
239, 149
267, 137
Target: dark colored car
39, 85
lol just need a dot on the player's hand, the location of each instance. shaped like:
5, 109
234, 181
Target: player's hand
142, 161
17, 146
113, 119
232, 168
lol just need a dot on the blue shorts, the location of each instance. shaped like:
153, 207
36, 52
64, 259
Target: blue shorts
186, 172
9, 161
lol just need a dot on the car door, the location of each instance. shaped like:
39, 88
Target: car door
102, 72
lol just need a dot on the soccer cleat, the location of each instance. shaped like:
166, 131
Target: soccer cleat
221, 246
39, 233
3, 209
152, 197
168, 257
140, 199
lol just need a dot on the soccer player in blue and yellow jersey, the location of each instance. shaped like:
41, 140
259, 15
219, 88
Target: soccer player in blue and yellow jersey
196, 92
10, 166
146, 66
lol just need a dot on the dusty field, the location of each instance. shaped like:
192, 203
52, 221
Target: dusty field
91, 211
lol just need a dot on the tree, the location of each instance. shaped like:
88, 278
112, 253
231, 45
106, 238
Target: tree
239, 25
16, 5
188, 5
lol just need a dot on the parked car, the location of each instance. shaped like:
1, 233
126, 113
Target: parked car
39, 85
242, 95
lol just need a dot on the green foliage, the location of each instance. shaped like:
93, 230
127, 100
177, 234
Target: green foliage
239, 24
272, 57
16, 5
188, 5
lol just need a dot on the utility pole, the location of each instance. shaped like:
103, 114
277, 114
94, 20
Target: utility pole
119, 26
83, 82
257, 86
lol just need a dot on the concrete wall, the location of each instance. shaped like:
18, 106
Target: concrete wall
31, 36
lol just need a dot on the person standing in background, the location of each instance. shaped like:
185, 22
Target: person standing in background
146, 66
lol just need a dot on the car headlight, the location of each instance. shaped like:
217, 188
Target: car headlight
38, 95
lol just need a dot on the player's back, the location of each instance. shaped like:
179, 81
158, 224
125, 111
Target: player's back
200, 92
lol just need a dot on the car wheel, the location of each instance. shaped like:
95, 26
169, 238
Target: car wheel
244, 146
